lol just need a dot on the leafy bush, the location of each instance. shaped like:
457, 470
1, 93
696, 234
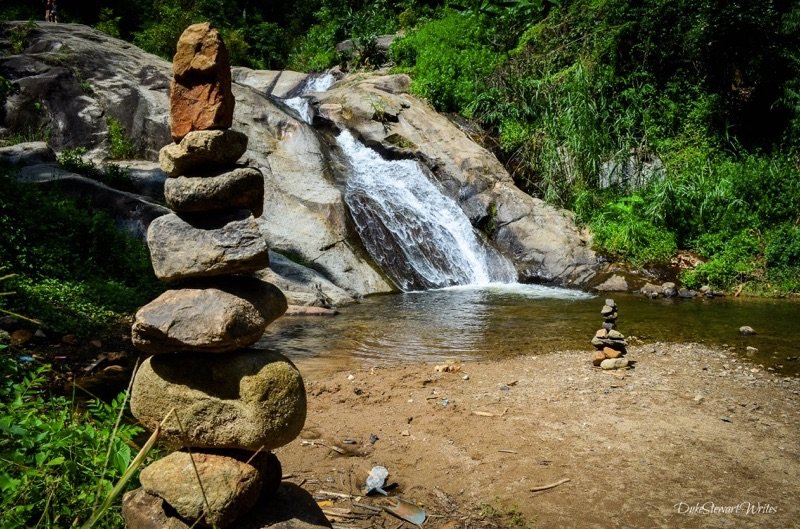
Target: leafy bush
161, 34
76, 270
448, 58
120, 147
74, 160
108, 23
621, 229
54, 455
337, 20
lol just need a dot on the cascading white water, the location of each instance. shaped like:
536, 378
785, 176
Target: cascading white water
312, 84
418, 235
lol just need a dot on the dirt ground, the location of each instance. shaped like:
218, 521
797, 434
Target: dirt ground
692, 437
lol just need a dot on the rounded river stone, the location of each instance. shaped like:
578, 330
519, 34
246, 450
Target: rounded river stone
246, 400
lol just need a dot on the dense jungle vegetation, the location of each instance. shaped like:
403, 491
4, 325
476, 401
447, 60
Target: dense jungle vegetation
664, 126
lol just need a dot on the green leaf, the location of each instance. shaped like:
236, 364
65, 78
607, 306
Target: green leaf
56, 461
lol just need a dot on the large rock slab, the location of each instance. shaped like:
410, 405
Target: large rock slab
242, 188
224, 316
230, 485
206, 245
73, 78
301, 285
248, 400
200, 96
204, 150
277, 83
28, 153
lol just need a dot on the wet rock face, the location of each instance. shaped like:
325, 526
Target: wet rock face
200, 95
246, 400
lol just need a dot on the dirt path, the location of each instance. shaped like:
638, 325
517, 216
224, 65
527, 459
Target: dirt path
690, 438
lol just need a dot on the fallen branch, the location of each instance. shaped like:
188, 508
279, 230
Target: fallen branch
336, 449
550, 486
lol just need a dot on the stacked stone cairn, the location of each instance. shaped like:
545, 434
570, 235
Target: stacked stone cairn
223, 407
609, 342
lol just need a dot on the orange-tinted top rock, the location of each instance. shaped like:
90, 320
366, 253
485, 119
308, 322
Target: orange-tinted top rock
201, 97
200, 53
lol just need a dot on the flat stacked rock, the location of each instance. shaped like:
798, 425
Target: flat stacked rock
609, 342
222, 407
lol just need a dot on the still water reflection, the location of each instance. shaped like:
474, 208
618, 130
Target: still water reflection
505, 320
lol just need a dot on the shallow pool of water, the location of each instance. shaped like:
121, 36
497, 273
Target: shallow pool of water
507, 320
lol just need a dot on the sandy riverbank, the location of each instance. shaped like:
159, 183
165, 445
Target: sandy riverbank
691, 429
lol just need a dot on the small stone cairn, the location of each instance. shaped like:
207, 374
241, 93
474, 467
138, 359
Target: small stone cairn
222, 406
609, 342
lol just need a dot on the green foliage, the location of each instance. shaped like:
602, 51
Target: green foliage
160, 34
73, 160
108, 23
448, 58
337, 20
113, 175
622, 229
19, 34
121, 147
268, 45
7, 88
54, 455
78, 280
316, 50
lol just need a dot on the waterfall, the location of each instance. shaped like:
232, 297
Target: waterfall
419, 237
310, 85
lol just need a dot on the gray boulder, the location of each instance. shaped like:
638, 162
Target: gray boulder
206, 245
229, 314
230, 485
202, 150
302, 286
30, 153
247, 400
241, 188
145, 176
280, 84
291, 507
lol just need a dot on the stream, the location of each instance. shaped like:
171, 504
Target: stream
423, 241
476, 323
